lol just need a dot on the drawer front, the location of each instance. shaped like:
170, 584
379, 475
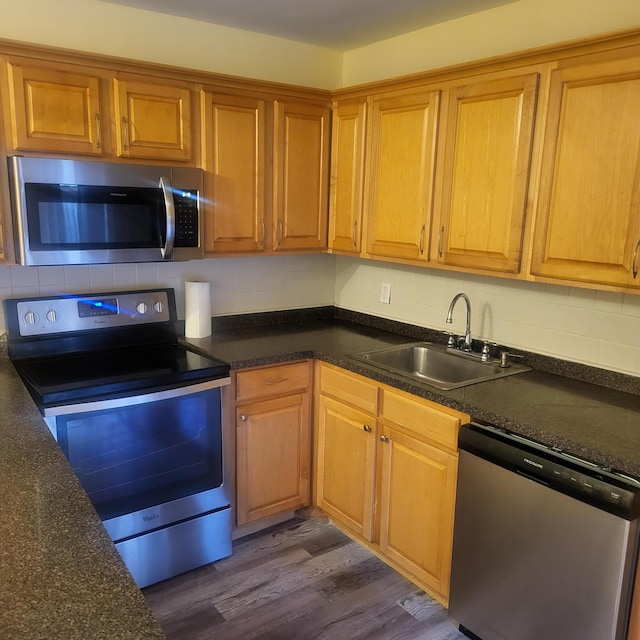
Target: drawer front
423, 419
272, 381
350, 389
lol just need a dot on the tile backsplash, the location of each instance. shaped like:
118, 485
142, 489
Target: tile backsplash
238, 285
592, 327
597, 328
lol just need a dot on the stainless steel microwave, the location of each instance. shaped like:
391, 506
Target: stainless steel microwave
82, 212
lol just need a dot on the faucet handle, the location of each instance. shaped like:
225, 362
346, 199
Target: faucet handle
451, 341
486, 349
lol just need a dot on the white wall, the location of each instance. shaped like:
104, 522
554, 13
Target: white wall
103, 28
593, 327
505, 29
99, 27
238, 285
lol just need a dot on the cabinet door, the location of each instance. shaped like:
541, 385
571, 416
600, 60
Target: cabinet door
400, 175
347, 176
416, 507
235, 139
53, 109
346, 465
488, 138
300, 175
588, 221
153, 121
273, 448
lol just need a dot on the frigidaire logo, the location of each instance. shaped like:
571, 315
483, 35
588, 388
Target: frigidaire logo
119, 195
151, 518
533, 463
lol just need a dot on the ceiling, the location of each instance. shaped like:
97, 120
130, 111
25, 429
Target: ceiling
337, 24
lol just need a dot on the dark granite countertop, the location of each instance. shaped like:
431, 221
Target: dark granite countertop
60, 574
596, 417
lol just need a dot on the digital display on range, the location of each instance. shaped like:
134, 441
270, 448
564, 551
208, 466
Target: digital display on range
94, 308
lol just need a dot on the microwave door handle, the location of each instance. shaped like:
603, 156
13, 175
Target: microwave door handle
167, 192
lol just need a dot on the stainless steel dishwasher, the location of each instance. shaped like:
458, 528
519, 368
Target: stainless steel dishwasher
545, 544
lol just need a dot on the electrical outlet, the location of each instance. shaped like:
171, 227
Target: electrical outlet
385, 293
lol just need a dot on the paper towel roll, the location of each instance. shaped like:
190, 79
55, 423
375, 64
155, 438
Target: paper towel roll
197, 299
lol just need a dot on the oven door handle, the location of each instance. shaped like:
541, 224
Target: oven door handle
170, 212
130, 401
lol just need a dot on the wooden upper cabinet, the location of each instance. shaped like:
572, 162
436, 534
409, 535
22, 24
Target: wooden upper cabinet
300, 175
399, 177
153, 120
485, 173
53, 109
347, 175
588, 220
235, 174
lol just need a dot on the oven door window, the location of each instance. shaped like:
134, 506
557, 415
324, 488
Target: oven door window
143, 455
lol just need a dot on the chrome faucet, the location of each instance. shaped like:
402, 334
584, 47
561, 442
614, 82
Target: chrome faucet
467, 335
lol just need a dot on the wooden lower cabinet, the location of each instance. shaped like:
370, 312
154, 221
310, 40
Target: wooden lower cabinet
346, 465
273, 441
386, 469
417, 497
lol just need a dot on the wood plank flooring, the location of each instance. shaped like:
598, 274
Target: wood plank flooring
300, 580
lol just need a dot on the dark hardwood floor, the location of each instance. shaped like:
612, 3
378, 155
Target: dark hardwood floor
300, 580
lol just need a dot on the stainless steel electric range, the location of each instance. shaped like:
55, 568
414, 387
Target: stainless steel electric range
139, 417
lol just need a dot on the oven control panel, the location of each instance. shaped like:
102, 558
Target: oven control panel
57, 314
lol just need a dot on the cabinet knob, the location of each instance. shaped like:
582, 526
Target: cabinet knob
384, 438
367, 428
243, 417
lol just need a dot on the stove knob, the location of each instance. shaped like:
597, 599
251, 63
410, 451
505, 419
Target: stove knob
31, 317
52, 315
142, 308
158, 307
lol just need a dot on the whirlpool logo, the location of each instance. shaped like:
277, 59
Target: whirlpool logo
533, 463
151, 518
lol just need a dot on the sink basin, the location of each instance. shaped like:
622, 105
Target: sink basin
436, 365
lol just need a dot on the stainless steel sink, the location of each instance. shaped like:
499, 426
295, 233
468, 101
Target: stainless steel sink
436, 365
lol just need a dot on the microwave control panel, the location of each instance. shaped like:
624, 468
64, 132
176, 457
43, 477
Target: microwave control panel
186, 208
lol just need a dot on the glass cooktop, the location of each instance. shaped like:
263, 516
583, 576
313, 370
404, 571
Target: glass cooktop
96, 374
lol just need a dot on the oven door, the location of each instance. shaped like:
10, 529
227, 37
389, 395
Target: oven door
149, 460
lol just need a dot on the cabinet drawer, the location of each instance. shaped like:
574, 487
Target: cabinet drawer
272, 381
422, 418
349, 388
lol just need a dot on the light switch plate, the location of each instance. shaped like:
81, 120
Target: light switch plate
385, 293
